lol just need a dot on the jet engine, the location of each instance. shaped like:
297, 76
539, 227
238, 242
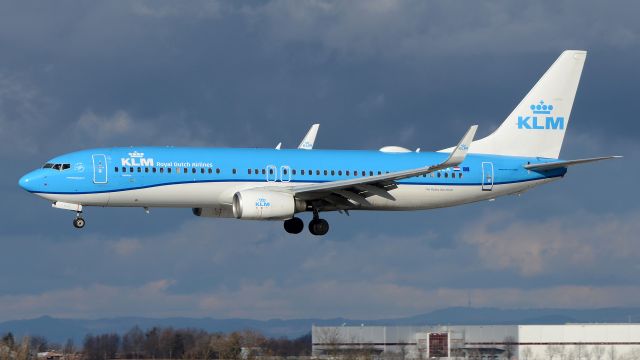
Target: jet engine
266, 205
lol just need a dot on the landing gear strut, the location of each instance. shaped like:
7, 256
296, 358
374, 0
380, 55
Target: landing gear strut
294, 225
78, 222
318, 226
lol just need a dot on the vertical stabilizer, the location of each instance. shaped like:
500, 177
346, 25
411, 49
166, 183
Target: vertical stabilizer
310, 138
536, 127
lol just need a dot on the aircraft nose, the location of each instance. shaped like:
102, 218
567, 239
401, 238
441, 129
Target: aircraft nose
27, 182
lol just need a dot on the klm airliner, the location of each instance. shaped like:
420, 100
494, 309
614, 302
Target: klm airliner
278, 184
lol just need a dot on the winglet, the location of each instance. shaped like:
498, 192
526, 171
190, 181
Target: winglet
278, 146
460, 152
310, 138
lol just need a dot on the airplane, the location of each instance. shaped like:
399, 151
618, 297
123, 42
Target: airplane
271, 184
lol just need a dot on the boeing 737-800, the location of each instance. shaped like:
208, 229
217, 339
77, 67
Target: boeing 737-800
277, 184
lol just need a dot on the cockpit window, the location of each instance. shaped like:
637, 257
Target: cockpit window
58, 167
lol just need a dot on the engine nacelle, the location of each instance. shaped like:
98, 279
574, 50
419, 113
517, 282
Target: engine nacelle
217, 212
266, 205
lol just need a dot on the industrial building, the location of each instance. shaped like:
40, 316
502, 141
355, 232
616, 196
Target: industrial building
523, 342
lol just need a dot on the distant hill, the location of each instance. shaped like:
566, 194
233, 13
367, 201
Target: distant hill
59, 330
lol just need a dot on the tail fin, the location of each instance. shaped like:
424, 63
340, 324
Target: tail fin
537, 125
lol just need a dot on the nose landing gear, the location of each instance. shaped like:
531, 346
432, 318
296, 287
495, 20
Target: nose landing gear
78, 222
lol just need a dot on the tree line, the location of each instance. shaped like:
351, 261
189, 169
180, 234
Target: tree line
162, 343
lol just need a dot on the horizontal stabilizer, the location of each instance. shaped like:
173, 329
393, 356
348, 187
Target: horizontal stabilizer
562, 164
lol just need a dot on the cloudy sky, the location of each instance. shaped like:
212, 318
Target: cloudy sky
77, 74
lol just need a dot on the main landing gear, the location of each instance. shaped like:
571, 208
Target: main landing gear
317, 226
78, 222
294, 225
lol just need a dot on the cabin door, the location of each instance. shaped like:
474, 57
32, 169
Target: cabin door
487, 176
99, 169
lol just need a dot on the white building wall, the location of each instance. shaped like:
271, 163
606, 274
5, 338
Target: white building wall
532, 342
587, 341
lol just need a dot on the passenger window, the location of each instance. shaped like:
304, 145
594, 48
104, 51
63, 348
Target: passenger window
379, 172
233, 171
446, 175
270, 171
218, 171
131, 169
161, 170
370, 173
284, 171
310, 172
460, 176
293, 171
193, 170
201, 170
264, 172
115, 169
326, 172
439, 174
333, 172
249, 171
364, 173
210, 170
339, 172
347, 173
146, 169
256, 171
317, 172
169, 170
153, 170
302, 172
124, 169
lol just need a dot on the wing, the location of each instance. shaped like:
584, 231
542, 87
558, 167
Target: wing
567, 163
310, 138
345, 194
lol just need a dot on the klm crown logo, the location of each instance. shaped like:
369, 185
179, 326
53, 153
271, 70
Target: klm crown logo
136, 154
545, 122
262, 202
